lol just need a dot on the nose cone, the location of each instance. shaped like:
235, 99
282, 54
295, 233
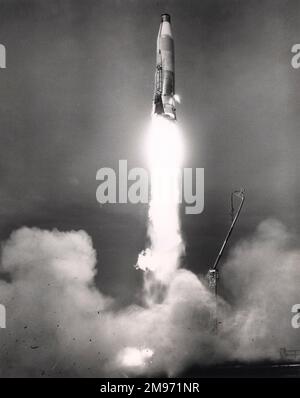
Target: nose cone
165, 18
165, 26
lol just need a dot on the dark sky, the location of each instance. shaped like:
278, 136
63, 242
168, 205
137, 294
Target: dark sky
76, 96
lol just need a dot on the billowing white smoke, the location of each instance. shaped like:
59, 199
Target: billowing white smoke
263, 276
58, 323
52, 303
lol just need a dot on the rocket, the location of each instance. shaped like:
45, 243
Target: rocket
164, 87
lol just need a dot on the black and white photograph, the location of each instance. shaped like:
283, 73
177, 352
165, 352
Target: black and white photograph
150, 192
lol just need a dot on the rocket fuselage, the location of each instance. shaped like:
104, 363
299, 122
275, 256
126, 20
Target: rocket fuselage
164, 91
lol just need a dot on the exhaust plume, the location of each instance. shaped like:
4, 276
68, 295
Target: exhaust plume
165, 152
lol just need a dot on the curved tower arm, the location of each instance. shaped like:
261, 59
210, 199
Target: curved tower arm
241, 195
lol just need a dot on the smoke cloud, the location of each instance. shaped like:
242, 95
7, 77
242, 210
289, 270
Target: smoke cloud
59, 324
262, 275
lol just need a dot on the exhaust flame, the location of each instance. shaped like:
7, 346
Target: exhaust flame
161, 259
165, 155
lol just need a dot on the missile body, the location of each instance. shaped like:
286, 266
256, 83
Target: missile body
164, 90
